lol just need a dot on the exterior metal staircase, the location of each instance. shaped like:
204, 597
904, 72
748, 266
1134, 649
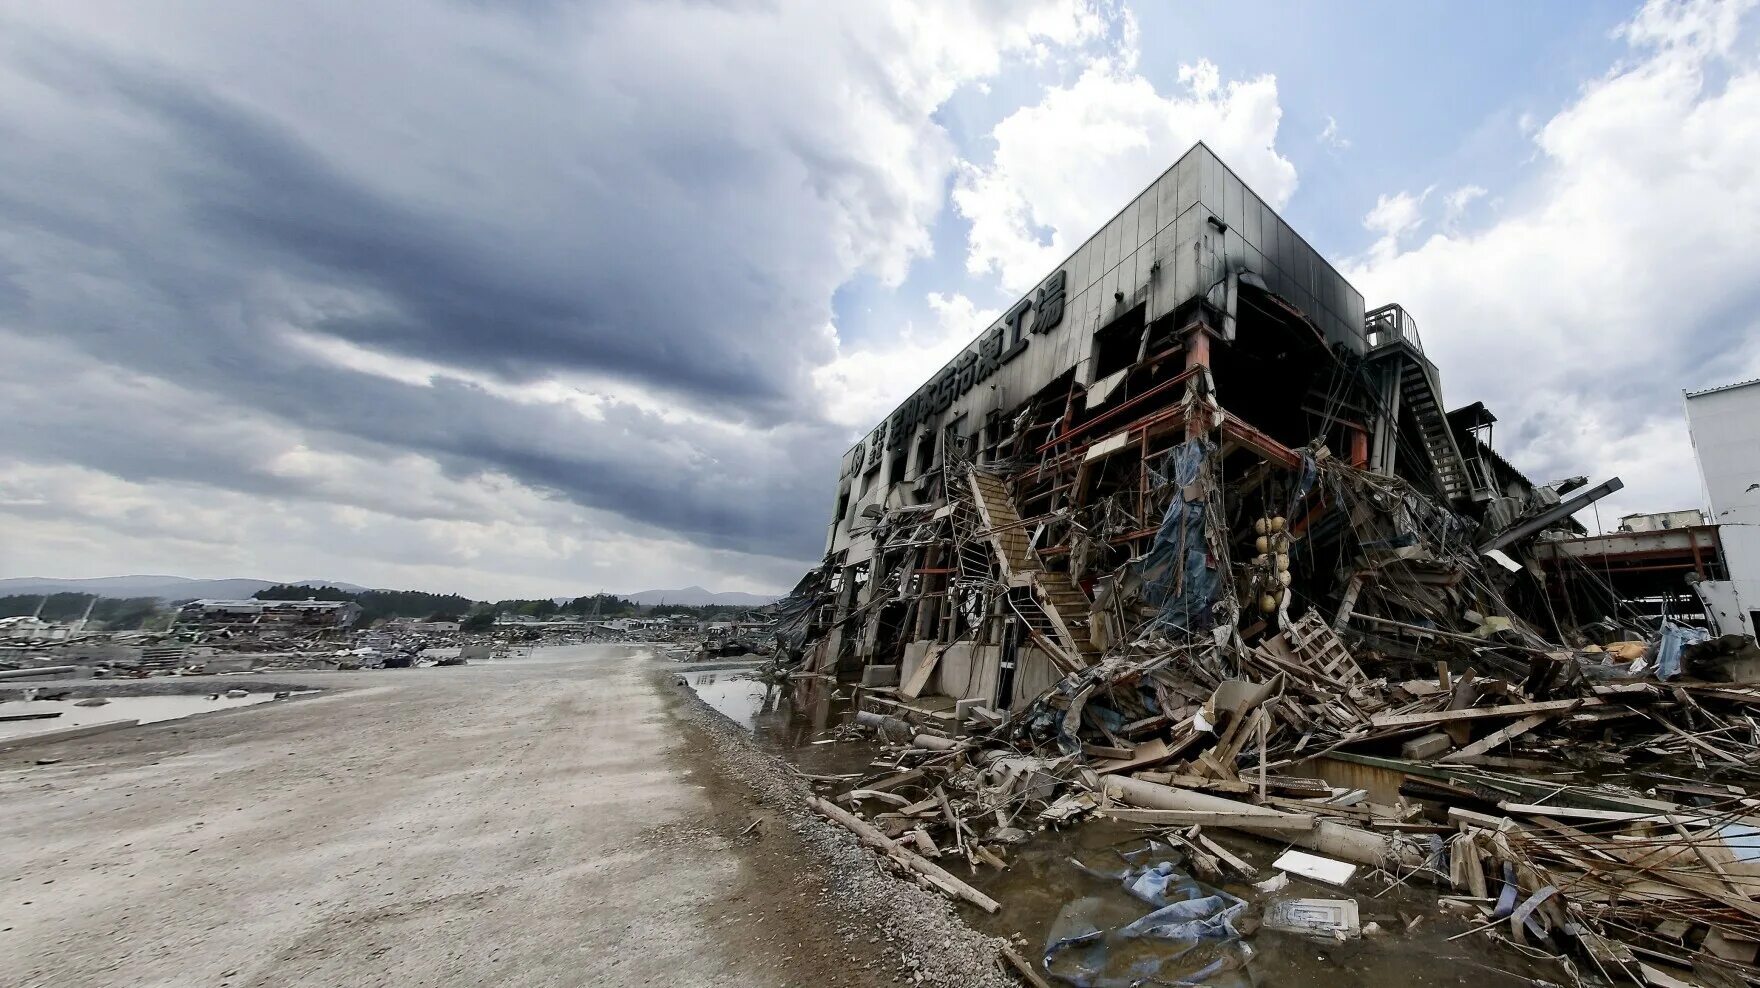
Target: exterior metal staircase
972, 546
1056, 611
1420, 395
1395, 347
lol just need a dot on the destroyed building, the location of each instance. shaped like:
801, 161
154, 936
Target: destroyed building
266, 618
1194, 389
1699, 568
1190, 540
1725, 426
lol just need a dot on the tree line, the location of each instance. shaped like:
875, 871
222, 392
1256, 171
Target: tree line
128, 614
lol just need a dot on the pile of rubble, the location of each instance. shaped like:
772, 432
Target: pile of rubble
1583, 793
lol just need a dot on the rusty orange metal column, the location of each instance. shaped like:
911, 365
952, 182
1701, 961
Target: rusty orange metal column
1197, 356
1197, 347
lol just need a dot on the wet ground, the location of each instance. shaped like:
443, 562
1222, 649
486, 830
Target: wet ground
146, 709
1409, 943
1042, 881
799, 732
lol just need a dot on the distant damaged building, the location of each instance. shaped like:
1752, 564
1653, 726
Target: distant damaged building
267, 618
1191, 430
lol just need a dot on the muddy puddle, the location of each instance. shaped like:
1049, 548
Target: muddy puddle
146, 709
783, 723
1043, 882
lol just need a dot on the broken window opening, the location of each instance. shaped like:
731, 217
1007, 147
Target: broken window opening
1119, 344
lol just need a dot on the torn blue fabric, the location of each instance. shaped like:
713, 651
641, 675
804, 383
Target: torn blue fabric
1189, 938
1179, 577
1675, 637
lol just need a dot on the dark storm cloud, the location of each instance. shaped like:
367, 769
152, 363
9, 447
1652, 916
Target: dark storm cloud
164, 224
633, 296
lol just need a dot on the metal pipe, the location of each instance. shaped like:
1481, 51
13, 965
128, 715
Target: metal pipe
1340, 841
44, 671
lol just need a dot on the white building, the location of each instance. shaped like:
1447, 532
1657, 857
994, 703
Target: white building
30, 628
1725, 427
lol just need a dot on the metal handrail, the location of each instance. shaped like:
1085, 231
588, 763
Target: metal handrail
1391, 324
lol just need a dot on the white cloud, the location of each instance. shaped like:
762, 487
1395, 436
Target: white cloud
1395, 217
1626, 270
677, 189
1330, 136
1455, 204
1062, 164
863, 385
84, 522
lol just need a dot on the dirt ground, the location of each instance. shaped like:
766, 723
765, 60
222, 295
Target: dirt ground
559, 820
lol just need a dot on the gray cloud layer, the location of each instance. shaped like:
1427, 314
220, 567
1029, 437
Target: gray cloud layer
588, 247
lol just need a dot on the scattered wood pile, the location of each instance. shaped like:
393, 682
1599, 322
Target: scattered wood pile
1323, 657
1609, 824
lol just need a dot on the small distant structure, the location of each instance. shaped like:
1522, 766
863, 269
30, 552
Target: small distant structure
267, 618
417, 626
1662, 521
30, 629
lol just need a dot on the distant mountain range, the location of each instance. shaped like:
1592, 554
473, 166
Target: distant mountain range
184, 588
163, 587
698, 597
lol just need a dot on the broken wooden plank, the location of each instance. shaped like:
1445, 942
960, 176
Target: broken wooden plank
1146, 755
1240, 867
1209, 818
938, 876
889, 798
1181, 781
1021, 967
894, 781
1490, 741
1482, 713
1426, 746
913, 687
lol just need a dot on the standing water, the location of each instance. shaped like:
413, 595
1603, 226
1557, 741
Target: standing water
146, 709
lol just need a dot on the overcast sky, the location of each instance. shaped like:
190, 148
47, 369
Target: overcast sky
545, 297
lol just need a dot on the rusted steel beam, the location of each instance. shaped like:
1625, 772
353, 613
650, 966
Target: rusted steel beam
1260, 443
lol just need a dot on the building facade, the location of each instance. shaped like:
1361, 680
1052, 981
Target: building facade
1142, 433
1724, 424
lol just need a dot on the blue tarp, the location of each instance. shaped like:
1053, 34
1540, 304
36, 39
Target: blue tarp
1675, 637
1188, 939
1179, 577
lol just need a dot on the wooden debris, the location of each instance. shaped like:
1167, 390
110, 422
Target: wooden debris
936, 875
1209, 818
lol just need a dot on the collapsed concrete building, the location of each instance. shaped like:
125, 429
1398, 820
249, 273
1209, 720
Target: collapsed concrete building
1192, 424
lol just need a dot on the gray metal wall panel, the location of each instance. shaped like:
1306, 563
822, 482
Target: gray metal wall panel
1110, 241
1108, 294
1127, 231
1233, 210
1210, 184
1167, 192
1185, 235
1253, 224
1166, 296
1234, 249
1145, 260
1187, 174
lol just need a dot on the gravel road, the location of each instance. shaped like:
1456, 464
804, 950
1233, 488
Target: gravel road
558, 820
